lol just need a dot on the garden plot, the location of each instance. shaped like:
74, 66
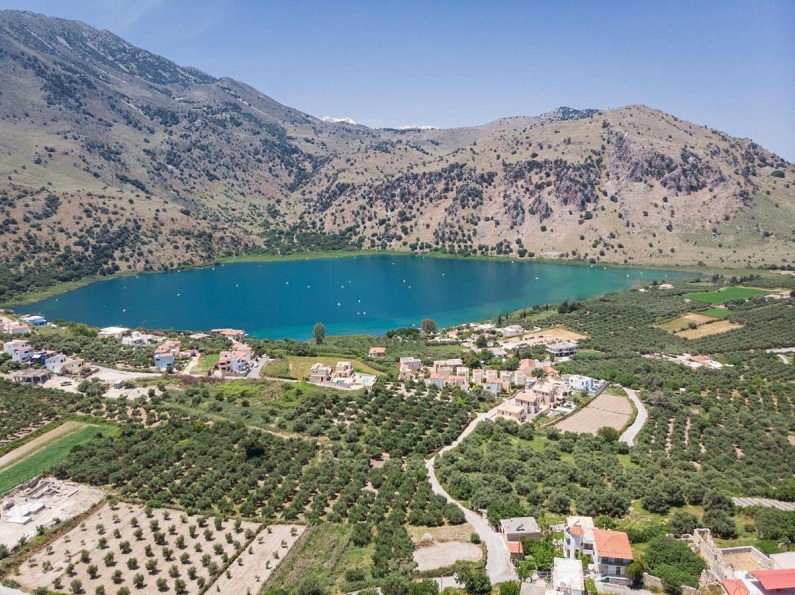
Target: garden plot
146, 551
60, 499
605, 410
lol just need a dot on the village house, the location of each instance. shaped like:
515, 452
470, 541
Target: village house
166, 354
581, 383
34, 320
20, 351
343, 370
511, 331
137, 339
113, 332
563, 349
519, 528
567, 577
377, 352
514, 412
31, 376
578, 536
235, 361
319, 373
446, 366
546, 391
74, 367
16, 328
51, 360
612, 552
410, 368
495, 388
232, 334
436, 380
458, 381
529, 402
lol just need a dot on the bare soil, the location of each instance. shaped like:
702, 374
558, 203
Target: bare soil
441, 555
605, 410
209, 546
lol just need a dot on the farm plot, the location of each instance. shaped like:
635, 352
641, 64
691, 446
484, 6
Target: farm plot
554, 334
727, 294
258, 561
713, 328
684, 322
126, 545
605, 410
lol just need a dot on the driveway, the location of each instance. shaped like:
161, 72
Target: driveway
498, 560
257, 369
640, 420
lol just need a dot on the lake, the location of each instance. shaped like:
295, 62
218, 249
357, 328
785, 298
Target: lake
358, 294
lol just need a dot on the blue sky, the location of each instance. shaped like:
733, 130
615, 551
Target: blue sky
729, 65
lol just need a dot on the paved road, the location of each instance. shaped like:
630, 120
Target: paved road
632, 431
257, 369
498, 560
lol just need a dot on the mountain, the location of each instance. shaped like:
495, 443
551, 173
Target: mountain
113, 158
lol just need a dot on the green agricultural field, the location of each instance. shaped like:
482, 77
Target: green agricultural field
717, 312
728, 294
43, 460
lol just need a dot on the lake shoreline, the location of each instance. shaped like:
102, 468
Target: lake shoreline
68, 286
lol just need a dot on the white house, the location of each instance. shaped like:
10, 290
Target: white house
567, 576
20, 351
137, 339
165, 354
34, 319
581, 383
115, 332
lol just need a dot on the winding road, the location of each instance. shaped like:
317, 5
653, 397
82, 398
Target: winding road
498, 560
640, 420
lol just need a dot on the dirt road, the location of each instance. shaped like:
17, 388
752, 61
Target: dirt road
498, 560
632, 431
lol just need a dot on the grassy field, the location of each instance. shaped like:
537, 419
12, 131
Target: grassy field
299, 366
206, 363
717, 312
324, 552
684, 322
726, 295
41, 461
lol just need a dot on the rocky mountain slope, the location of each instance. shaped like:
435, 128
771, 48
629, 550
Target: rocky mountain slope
113, 158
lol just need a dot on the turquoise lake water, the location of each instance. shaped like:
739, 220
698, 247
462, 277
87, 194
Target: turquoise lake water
359, 294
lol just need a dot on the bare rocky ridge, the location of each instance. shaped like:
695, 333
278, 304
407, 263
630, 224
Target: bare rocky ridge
113, 158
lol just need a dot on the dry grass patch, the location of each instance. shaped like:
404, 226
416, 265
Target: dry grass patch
713, 328
555, 334
442, 555
442, 534
683, 322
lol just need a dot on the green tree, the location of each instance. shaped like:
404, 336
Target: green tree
608, 434
428, 326
683, 523
426, 586
635, 571
319, 332
509, 588
474, 578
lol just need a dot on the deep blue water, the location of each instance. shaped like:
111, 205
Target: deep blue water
361, 294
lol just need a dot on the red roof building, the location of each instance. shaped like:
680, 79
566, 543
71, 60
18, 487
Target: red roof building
781, 579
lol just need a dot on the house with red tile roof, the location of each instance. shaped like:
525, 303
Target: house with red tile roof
377, 352
780, 581
612, 552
